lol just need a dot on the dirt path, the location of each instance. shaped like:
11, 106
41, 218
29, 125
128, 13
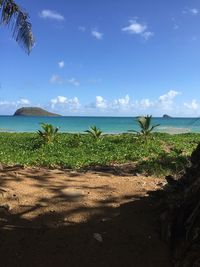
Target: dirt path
62, 218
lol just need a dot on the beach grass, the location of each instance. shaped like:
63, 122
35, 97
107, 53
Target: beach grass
162, 154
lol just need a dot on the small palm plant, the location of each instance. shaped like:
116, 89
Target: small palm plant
49, 133
145, 125
94, 132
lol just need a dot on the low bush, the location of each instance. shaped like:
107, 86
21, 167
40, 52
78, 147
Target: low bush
163, 154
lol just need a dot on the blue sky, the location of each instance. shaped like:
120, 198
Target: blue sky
105, 57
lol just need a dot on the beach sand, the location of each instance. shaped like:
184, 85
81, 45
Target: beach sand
68, 218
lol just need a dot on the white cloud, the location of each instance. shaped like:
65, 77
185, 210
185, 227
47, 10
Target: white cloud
98, 35
175, 24
124, 101
145, 103
100, 102
135, 28
138, 28
125, 105
74, 82
63, 103
61, 64
193, 105
56, 79
50, 14
74, 103
147, 35
9, 107
121, 103
20, 102
194, 11
103, 105
7, 103
168, 96
191, 11
58, 100
23, 101
166, 100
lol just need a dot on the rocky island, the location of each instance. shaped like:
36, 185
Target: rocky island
165, 116
34, 111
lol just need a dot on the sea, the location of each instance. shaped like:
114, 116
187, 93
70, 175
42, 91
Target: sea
111, 125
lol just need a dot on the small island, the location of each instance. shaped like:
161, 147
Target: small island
34, 111
165, 116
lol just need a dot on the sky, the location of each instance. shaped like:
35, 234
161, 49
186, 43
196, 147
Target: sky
105, 58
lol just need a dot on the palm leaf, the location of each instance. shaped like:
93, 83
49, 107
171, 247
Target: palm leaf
12, 15
154, 126
145, 125
148, 121
40, 132
94, 132
56, 130
133, 131
87, 131
49, 132
142, 123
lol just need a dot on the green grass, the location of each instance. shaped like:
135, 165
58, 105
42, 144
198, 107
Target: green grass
162, 154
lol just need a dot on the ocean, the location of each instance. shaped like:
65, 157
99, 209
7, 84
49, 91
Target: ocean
106, 124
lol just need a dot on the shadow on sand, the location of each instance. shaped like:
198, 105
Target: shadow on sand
130, 234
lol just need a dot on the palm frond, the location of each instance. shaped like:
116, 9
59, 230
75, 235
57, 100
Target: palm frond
154, 126
49, 133
133, 131
148, 120
94, 132
87, 131
12, 15
144, 123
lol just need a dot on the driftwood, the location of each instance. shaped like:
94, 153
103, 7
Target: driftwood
180, 221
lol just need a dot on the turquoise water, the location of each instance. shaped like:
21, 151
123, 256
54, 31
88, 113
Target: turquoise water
107, 124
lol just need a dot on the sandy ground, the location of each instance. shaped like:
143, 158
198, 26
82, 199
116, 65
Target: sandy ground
67, 218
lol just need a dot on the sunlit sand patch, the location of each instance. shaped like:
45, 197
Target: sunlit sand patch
173, 130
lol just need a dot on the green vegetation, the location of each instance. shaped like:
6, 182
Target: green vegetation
48, 134
145, 125
162, 155
94, 132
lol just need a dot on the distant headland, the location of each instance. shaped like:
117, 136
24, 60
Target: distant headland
34, 111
